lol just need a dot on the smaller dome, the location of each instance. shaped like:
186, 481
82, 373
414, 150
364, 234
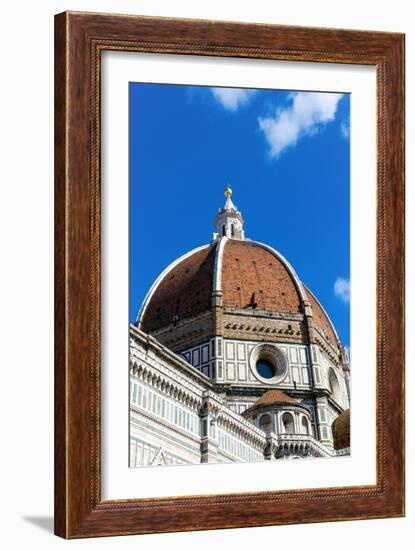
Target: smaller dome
271, 397
341, 431
274, 396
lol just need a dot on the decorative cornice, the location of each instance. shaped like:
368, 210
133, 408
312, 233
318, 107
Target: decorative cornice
148, 342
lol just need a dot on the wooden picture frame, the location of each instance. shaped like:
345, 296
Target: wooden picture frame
79, 40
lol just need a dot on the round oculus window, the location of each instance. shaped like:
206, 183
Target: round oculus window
265, 368
268, 363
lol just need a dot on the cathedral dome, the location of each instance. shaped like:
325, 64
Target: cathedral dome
233, 272
271, 398
341, 430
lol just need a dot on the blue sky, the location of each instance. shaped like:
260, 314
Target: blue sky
286, 156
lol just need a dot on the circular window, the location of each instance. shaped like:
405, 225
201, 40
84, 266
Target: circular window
268, 363
265, 368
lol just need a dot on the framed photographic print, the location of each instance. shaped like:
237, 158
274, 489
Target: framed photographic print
229, 337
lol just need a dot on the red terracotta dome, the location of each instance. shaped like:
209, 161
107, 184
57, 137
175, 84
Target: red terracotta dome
269, 399
341, 430
182, 291
246, 274
251, 274
321, 318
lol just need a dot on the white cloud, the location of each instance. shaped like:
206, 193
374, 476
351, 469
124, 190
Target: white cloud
345, 130
232, 98
342, 289
306, 114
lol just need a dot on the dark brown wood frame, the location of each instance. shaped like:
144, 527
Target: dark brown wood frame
79, 40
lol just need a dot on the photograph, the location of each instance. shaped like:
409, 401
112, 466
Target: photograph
239, 274
207, 238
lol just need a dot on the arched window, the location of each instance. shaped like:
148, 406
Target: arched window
334, 386
224, 230
305, 429
288, 423
265, 423
232, 230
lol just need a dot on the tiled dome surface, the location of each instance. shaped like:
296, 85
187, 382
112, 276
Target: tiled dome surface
341, 430
184, 291
269, 398
252, 277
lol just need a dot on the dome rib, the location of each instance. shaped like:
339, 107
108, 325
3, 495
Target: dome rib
287, 266
321, 317
217, 270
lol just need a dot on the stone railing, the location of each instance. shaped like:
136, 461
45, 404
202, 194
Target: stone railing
289, 445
